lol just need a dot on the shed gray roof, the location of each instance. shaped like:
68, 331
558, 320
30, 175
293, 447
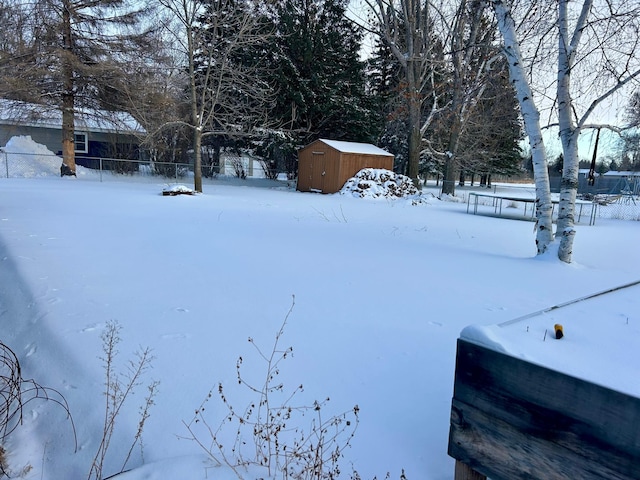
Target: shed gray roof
354, 147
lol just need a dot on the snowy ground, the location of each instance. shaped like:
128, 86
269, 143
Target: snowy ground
383, 288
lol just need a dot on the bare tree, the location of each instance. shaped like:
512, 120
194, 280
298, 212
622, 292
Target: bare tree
226, 93
531, 119
407, 29
469, 36
596, 50
442, 49
607, 33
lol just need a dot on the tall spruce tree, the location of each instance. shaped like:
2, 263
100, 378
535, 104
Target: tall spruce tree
67, 52
319, 75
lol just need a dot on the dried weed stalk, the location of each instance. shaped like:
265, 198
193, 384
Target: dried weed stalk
118, 387
15, 394
278, 436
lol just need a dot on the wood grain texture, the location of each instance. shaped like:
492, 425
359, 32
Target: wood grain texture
511, 419
464, 472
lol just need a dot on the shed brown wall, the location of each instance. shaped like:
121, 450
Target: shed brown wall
323, 169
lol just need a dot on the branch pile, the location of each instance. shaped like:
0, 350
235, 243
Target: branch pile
379, 183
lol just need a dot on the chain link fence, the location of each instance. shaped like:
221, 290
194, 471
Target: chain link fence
624, 205
30, 165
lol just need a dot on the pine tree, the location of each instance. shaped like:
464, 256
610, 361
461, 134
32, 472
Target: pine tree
70, 50
320, 77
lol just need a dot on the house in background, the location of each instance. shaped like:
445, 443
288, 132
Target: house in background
241, 165
98, 134
324, 166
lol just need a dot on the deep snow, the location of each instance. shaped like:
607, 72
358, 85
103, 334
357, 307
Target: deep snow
383, 288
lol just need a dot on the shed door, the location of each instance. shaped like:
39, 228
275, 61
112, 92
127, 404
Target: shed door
318, 172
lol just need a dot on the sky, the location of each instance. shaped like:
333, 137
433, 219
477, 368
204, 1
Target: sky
375, 293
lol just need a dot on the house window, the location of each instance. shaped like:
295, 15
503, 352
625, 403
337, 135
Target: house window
81, 144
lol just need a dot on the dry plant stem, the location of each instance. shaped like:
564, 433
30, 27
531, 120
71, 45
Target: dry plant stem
272, 426
144, 415
15, 393
116, 392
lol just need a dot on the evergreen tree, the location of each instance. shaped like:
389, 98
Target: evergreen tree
69, 50
319, 76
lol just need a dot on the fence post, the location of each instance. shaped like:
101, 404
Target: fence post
100, 170
176, 169
6, 162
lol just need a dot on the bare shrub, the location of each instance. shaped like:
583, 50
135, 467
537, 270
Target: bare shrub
118, 387
15, 394
289, 441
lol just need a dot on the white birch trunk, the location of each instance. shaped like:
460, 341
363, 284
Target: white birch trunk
569, 130
531, 117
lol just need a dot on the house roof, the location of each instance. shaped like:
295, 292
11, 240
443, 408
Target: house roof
354, 147
13, 112
616, 173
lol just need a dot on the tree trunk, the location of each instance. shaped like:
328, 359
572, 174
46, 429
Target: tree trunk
196, 117
569, 131
531, 117
68, 94
449, 182
415, 136
197, 159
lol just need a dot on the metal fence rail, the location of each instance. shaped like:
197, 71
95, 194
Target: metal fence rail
624, 205
28, 165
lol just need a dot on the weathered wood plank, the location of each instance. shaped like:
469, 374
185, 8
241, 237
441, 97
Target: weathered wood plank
561, 419
499, 450
464, 472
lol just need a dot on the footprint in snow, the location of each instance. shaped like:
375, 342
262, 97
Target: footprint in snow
91, 328
31, 349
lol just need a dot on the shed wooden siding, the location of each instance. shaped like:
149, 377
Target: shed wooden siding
322, 168
511, 419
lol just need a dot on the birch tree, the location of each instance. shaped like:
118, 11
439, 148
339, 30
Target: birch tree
596, 57
607, 31
531, 121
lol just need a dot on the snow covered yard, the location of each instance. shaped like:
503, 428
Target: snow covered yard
382, 289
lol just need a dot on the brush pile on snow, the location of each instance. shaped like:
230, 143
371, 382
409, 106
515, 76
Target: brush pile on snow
379, 183
178, 189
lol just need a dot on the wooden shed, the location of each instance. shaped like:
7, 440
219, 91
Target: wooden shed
325, 165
